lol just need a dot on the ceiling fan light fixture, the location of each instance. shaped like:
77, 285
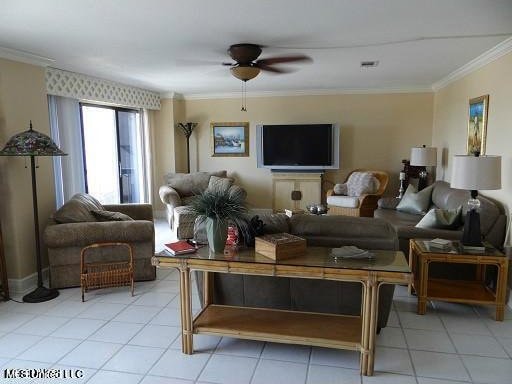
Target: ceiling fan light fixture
245, 72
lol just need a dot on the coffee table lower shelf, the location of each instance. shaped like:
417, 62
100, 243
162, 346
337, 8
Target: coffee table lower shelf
280, 326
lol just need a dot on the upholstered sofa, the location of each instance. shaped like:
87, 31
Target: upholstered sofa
66, 240
304, 294
176, 194
492, 220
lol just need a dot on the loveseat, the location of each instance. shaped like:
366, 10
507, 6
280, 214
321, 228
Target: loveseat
74, 227
492, 221
177, 193
305, 294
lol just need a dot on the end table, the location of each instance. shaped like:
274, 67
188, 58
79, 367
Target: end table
458, 291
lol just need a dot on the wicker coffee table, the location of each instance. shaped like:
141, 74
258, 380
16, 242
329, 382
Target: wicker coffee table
284, 326
458, 291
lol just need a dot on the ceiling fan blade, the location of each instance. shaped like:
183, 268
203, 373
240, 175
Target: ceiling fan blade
228, 64
269, 68
283, 59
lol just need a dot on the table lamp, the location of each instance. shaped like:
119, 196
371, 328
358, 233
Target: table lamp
423, 157
475, 173
32, 143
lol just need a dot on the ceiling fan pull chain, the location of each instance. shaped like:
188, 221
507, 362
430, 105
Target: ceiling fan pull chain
244, 99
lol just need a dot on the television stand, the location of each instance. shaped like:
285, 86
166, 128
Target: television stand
295, 190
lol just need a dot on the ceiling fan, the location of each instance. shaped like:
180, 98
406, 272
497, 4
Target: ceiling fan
247, 66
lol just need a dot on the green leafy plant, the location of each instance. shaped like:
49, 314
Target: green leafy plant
222, 205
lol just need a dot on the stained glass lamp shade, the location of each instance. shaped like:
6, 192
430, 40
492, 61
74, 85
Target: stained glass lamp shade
32, 143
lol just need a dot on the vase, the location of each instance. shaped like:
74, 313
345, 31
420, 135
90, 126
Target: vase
217, 233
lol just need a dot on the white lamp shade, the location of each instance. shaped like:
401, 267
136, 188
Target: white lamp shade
476, 172
424, 156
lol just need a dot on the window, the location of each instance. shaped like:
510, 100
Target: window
113, 141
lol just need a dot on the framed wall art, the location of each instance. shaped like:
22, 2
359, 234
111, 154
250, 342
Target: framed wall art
230, 139
477, 125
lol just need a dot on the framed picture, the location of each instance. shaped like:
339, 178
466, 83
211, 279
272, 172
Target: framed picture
230, 139
477, 125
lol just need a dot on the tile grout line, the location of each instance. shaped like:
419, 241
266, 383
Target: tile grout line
407, 347
121, 344
493, 334
456, 349
308, 364
207, 360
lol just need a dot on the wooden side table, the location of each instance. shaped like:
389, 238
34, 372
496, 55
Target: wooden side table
4, 284
458, 291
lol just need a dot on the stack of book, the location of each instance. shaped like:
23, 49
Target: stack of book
180, 248
441, 244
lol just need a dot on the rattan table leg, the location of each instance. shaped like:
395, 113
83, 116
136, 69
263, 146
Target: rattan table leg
365, 315
186, 312
411, 265
422, 295
501, 290
207, 288
372, 329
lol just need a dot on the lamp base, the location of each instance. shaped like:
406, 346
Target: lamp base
472, 235
40, 294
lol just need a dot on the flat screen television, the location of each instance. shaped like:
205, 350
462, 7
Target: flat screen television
298, 146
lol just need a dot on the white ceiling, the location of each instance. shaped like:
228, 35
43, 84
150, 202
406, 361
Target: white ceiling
155, 43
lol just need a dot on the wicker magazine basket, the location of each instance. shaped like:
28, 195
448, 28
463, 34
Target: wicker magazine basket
106, 274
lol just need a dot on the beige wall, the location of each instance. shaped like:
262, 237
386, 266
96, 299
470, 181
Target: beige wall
451, 114
377, 132
22, 98
162, 145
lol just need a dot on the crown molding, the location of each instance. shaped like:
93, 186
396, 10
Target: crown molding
485, 58
307, 92
171, 95
25, 57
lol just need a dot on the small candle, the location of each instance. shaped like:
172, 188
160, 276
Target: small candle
402, 175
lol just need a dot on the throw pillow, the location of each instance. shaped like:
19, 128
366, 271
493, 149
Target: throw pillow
189, 184
219, 183
78, 209
441, 219
340, 189
414, 201
361, 183
103, 215
237, 192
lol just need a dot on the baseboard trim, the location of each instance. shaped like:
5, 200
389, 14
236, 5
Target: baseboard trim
26, 284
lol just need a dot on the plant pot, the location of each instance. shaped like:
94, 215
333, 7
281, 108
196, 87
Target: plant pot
217, 233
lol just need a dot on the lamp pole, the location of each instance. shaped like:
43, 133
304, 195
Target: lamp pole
187, 129
32, 143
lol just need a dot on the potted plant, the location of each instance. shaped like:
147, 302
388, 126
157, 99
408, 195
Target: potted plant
218, 207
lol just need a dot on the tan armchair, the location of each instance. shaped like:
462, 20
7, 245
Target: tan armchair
362, 205
177, 193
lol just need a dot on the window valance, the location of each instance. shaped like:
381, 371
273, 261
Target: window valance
83, 87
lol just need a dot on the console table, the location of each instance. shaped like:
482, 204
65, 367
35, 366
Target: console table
282, 326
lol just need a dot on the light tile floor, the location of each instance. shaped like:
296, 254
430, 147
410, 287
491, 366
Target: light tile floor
115, 338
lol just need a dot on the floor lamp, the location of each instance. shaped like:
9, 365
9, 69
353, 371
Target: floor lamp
32, 143
187, 129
